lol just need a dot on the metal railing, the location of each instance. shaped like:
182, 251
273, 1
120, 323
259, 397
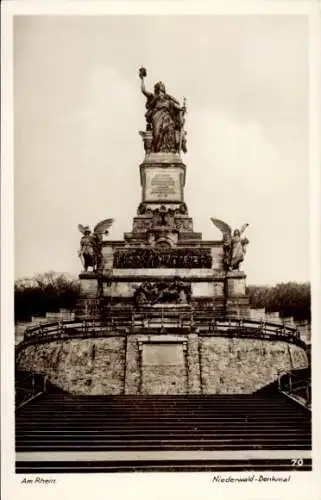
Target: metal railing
126, 320
28, 388
291, 384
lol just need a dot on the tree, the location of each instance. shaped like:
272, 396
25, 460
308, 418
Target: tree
47, 292
289, 299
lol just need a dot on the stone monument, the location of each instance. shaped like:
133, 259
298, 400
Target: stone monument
162, 311
162, 262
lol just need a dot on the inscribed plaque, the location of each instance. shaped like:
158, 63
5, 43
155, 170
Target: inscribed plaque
163, 184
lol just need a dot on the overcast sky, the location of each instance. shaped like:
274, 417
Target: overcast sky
78, 110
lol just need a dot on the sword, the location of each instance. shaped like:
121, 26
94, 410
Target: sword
182, 113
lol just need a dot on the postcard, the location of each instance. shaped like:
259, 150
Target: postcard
161, 244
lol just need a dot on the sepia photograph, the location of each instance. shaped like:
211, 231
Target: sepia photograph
162, 247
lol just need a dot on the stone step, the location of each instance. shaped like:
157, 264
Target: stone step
203, 399
110, 410
194, 420
61, 422
165, 404
157, 427
163, 437
267, 445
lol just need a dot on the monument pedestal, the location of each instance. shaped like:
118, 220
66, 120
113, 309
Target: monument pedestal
163, 261
162, 180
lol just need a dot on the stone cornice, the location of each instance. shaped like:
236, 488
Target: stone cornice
213, 276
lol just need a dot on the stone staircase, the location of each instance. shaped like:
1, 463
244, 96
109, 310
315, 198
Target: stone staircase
59, 432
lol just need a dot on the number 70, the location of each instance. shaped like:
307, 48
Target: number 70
297, 462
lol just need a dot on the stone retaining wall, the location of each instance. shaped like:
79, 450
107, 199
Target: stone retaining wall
188, 363
243, 366
89, 366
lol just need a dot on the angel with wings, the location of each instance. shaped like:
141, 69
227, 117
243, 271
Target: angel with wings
234, 244
90, 252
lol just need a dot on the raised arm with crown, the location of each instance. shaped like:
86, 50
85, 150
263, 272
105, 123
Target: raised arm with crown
164, 117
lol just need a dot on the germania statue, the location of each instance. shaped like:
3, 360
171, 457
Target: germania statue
165, 120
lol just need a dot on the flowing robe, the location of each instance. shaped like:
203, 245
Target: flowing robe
163, 115
238, 252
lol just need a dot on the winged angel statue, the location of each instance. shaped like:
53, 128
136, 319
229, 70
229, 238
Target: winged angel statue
234, 245
91, 244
